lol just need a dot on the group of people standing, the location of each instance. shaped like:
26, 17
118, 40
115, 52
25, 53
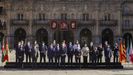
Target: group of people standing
57, 53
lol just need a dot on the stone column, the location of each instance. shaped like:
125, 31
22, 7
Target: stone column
119, 24
7, 19
96, 35
30, 14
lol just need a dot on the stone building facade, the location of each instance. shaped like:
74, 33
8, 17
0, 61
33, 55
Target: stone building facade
70, 20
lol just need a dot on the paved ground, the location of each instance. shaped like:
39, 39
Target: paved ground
67, 72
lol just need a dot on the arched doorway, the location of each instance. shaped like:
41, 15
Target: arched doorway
19, 35
42, 35
107, 35
127, 37
85, 36
1, 36
59, 36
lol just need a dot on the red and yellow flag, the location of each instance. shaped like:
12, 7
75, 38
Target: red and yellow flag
7, 50
5, 57
122, 54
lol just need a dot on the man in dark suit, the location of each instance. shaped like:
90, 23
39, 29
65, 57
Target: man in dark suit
22, 50
63, 51
43, 49
50, 55
100, 53
35, 52
77, 52
17, 51
91, 52
28, 49
70, 52
57, 54
116, 54
107, 52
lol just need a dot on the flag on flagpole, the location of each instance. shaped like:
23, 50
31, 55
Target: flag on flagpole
122, 53
3, 51
131, 51
128, 51
6, 57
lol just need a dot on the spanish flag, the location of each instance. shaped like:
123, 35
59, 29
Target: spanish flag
7, 52
122, 52
5, 57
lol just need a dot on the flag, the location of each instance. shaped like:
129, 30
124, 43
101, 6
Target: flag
128, 51
122, 53
6, 57
131, 51
3, 51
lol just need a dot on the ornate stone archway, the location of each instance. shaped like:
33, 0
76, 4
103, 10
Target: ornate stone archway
42, 35
85, 36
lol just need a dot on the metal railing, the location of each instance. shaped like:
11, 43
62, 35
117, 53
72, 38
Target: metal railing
19, 22
108, 22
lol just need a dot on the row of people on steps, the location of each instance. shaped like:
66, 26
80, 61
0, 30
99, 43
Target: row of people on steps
58, 52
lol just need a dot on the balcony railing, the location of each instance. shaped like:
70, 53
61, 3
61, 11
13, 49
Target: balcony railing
130, 13
19, 22
87, 22
108, 22
3, 12
68, 21
127, 27
40, 22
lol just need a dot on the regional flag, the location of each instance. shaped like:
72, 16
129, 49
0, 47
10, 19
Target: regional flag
128, 52
131, 51
6, 57
5, 50
122, 53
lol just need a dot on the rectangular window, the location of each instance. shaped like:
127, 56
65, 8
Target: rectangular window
72, 16
20, 16
126, 22
107, 17
85, 17
41, 16
64, 16
1, 10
